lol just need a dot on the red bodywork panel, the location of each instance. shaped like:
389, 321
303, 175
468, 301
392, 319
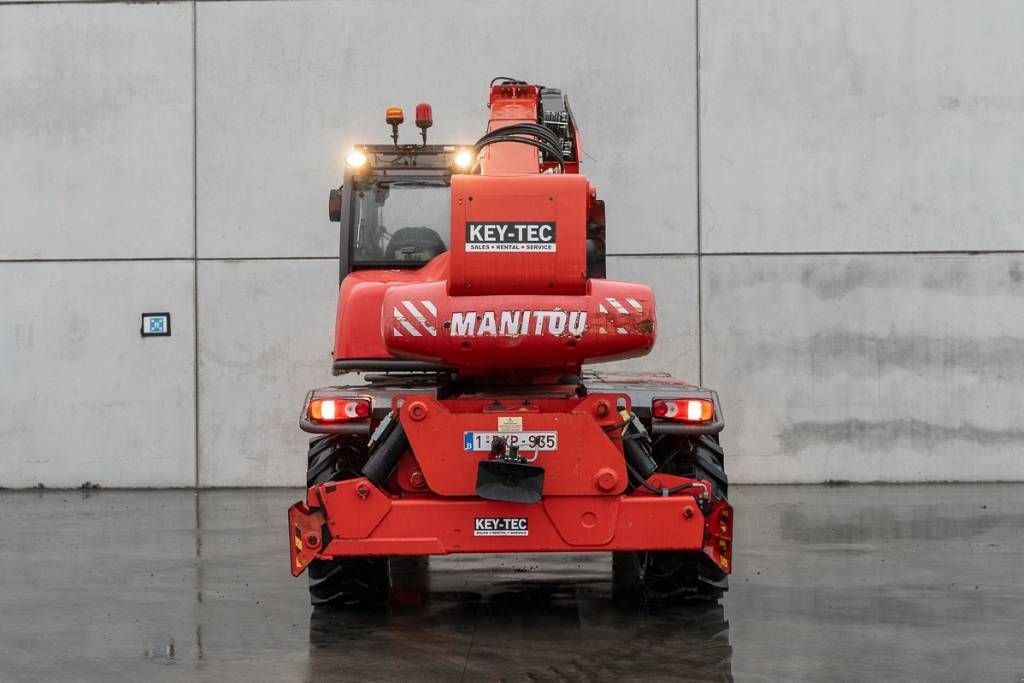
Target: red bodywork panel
478, 333
586, 462
483, 206
357, 330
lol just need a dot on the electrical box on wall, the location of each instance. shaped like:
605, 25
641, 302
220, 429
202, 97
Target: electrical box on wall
156, 324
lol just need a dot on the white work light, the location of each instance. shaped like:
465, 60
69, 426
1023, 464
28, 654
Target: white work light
355, 159
463, 159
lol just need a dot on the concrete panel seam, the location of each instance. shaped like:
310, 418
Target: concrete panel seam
222, 259
333, 257
112, 259
57, 3
182, 259
115, 2
697, 150
654, 253
919, 252
909, 252
195, 248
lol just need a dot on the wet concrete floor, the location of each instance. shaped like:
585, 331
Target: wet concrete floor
847, 583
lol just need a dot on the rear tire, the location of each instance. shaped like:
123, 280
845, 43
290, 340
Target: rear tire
671, 575
345, 580
667, 575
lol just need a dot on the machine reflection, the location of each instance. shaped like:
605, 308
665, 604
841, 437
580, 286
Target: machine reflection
518, 628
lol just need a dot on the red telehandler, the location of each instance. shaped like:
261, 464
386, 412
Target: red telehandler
473, 290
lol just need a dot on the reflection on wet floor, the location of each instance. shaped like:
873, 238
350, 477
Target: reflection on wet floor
914, 582
520, 624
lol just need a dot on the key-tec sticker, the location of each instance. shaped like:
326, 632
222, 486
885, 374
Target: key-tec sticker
501, 526
511, 237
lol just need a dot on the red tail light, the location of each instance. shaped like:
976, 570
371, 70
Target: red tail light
339, 409
683, 409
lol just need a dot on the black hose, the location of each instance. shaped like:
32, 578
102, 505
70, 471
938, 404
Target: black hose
507, 79
543, 135
536, 129
639, 458
532, 134
384, 458
522, 139
525, 141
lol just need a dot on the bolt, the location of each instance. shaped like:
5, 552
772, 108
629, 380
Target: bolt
688, 511
417, 479
312, 540
363, 491
606, 479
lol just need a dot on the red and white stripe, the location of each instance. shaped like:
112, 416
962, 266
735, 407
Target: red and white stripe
416, 323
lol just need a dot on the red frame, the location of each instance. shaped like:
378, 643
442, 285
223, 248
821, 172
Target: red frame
364, 520
429, 506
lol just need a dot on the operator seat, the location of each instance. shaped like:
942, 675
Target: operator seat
414, 243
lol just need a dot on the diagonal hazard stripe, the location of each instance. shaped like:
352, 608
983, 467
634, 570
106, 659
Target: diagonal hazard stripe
617, 306
400, 319
419, 317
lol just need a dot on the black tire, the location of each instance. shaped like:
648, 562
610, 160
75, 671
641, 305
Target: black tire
346, 580
667, 575
705, 460
671, 575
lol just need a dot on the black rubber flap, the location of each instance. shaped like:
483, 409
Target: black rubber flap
509, 482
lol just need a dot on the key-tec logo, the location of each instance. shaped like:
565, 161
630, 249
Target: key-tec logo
523, 236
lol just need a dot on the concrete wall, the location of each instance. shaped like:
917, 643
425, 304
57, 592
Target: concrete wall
827, 209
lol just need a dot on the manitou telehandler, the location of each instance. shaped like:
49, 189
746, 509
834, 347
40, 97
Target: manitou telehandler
472, 292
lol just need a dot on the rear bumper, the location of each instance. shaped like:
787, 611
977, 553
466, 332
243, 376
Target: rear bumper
355, 518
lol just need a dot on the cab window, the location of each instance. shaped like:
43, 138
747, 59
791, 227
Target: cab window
399, 224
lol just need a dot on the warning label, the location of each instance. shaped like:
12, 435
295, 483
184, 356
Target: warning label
511, 237
501, 526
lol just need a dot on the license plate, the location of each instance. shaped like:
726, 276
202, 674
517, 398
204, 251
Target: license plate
526, 441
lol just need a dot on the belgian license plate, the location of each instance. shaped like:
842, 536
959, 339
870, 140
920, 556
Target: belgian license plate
526, 441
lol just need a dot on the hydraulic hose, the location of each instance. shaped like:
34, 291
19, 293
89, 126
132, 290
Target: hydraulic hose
638, 456
636, 446
384, 458
533, 134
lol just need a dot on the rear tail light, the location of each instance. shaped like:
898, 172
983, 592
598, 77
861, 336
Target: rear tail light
338, 409
683, 409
